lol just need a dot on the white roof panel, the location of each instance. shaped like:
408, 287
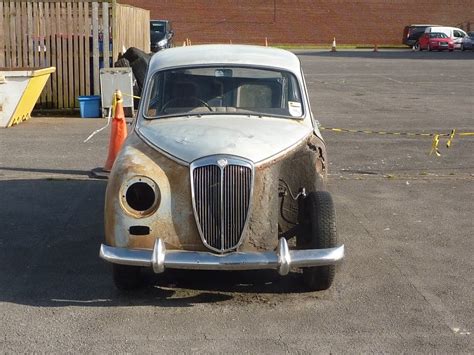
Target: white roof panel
225, 54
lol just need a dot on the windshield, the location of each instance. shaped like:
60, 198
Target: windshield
157, 27
416, 32
220, 90
438, 35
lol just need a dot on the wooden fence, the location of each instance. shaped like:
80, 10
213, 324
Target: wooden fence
78, 37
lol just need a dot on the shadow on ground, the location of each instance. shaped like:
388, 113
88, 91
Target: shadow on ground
49, 244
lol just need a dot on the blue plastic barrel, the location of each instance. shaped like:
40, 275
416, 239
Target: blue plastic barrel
90, 106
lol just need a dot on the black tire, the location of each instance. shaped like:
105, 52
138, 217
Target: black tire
318, 222
127, 277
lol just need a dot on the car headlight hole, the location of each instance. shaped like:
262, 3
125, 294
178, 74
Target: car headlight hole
140, 196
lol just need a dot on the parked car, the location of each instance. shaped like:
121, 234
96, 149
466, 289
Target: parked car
468, 42
412, 33
225, 169
161, 35
456, 34
435, 41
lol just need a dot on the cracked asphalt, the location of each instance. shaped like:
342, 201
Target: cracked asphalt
405, 217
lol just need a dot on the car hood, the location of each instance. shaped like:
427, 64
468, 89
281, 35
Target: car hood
253, 138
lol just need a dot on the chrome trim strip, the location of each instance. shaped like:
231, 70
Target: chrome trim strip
158, 256
284, 257
174, 259
221, 202
123, 256
213, 160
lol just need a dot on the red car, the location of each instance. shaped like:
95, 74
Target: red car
435, 40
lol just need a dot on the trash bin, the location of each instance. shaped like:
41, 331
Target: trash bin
90, 106
19, 91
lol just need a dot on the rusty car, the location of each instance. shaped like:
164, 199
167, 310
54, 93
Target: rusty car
225, 169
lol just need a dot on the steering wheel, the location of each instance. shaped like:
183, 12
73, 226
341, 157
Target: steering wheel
201, 103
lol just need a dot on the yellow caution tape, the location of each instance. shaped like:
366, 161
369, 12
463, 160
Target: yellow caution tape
434, 143
451, 137
410, 134
114, 103
135, 97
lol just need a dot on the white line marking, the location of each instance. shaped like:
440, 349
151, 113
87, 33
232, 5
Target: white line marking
81, 301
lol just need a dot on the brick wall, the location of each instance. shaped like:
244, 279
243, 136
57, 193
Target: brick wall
304, 21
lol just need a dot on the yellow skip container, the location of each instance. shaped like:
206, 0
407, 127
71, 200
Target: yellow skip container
19, 90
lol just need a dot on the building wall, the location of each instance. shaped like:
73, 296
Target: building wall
304, 21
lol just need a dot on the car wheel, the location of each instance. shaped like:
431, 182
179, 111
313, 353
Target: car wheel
318, 230
418, 46
127, 277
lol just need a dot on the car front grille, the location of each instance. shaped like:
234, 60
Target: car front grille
221, 190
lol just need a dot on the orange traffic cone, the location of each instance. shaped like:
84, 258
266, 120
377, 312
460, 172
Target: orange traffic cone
118, 132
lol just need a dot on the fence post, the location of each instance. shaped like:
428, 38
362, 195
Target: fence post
95, 46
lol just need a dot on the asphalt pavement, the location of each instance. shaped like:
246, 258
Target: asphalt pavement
406, 218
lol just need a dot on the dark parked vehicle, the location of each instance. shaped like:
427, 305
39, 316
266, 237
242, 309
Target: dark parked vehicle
412, 33
161, 35
468, 42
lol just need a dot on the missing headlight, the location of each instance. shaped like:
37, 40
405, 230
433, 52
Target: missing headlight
140, 196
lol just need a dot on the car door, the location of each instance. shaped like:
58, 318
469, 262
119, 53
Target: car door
424, 40
458, 37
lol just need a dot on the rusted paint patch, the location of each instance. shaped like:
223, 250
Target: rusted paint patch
303, 167
173, 221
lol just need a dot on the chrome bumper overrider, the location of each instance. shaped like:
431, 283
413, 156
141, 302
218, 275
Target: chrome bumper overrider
282, 259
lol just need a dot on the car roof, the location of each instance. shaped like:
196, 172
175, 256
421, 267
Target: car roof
424, 25
442, 28
225, 54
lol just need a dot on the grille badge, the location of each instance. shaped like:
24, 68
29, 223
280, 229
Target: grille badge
222, 163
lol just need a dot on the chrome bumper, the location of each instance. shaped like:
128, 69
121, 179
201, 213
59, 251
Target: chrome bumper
282, 259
